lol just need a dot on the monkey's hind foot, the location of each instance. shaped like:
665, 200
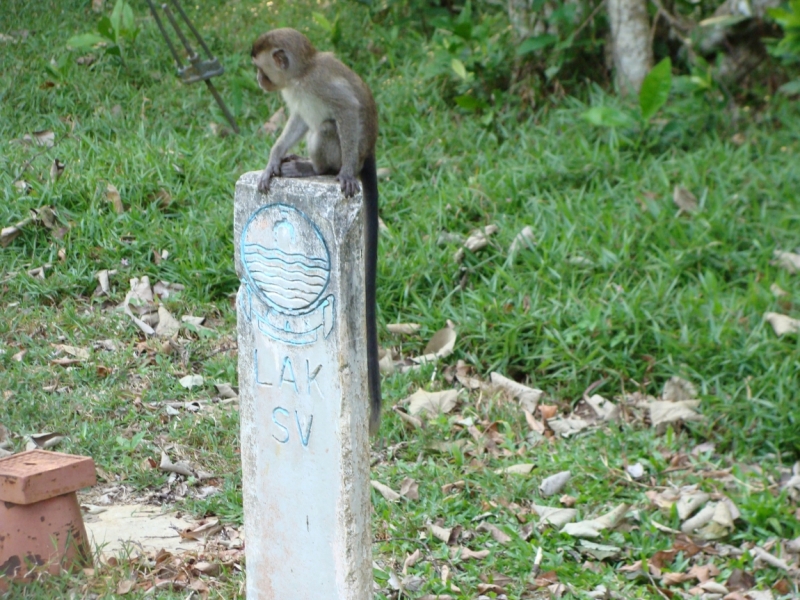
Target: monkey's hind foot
349, 185
294, 166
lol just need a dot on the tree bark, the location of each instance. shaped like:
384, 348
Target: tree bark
630, 43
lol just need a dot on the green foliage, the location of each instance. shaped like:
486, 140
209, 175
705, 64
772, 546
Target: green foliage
334, 30
536, 43
788, 48
789, 20
473, 60
652, 96
700, 81
655, 89
114, 33
608, 116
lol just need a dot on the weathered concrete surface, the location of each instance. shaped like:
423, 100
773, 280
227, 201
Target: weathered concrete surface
135, 528
303, 390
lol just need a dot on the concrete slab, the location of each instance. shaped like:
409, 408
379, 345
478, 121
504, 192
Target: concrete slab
137, 527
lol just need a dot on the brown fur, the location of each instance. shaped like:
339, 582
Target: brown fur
333, 107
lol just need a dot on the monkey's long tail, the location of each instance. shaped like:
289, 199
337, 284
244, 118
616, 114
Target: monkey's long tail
369, 182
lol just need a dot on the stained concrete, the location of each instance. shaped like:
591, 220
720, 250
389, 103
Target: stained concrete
136, 528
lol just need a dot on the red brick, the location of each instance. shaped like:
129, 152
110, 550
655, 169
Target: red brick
36, 475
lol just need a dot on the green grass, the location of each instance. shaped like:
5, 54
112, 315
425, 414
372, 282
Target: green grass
619, 286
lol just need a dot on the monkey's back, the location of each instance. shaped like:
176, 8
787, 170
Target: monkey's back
352, 90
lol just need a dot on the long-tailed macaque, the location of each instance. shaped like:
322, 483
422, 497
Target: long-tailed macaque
335, 110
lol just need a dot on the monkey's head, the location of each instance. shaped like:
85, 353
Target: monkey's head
280, 56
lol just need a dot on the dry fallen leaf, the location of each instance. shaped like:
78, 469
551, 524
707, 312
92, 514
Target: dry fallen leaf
204, 529
409, 489
522, 239
599, 551
41, 138
9, 234
465, 553
778, 291
536, 426
685, 199
388, 493
677, 389
604, 409
56, 169
78, 353
704, 573
781, 324
670, 579
499, 535
478, 239
441, 345
432, 403
168, 326
720, 525
663, 413
787, 260
690, 503
636, 470
528, 397
567, 426
191, 381
458, 485
763, 556
547, 411
43, 441
554, 484
411, 560
385, 361
226, 390
465, 377
443, 534
112, 196
414, 422
403, 328
592, 528
181, 468
140, 301
520, 469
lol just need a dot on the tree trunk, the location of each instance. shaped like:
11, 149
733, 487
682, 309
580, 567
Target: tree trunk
630, 43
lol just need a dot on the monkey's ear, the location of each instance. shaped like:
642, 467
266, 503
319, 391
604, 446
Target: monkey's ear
281, 59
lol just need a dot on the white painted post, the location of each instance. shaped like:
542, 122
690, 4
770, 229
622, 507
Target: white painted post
303, 391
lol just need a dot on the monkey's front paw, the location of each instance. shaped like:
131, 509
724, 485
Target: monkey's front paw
349, 185
266, 177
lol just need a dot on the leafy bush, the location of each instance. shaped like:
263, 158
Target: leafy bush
788, 49
113, 33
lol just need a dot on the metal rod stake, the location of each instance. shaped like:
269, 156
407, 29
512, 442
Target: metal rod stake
218, 98
198, 69
170, 45
192, 28
189, 50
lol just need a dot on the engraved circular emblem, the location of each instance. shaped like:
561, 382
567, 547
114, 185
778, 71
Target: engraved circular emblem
285, 258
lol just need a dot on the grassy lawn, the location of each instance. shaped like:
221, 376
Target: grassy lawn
618, 286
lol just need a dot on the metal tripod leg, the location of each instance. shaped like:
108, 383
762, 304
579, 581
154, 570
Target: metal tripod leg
198, 69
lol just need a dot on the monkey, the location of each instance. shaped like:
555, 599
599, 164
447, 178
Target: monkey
335, 110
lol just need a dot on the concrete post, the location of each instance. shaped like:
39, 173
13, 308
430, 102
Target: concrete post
303, 391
